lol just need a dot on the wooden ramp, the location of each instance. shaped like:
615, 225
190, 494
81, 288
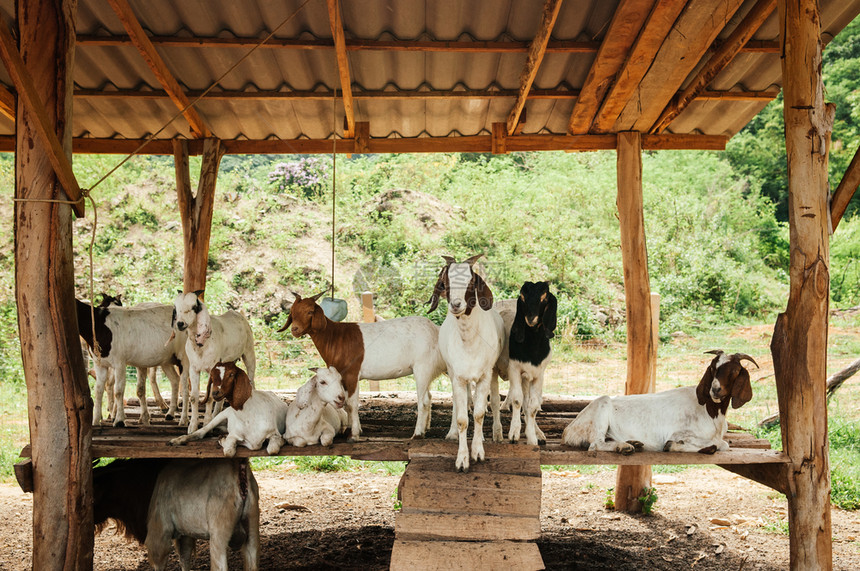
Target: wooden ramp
487, 518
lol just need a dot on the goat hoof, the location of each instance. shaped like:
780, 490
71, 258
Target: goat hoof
541, 441
637, 446
119, 424
708, 450
168, 417
668, 446
417, 437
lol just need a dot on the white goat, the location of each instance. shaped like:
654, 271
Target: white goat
316, 414
130, 336
253, 417
687, 419
162, 503
470, 340
211, 339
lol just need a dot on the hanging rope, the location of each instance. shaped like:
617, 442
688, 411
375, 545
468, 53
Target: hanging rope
333, 180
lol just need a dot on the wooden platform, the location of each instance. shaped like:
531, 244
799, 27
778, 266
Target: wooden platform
388, 420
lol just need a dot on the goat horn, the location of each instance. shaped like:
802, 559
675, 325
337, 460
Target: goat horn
471, 261
449, 260
742, 356
298, 297
715, 351
319, 295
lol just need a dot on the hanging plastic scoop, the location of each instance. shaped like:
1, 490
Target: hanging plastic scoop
335, 309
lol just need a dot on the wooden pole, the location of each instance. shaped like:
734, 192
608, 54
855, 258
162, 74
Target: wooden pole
799, 344
641, 350
368, 316
196, 209
58, 398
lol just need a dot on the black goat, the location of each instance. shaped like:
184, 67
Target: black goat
529, 352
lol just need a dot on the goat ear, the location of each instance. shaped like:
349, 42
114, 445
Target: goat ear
198, 306
518, 329
173, 319
704, 386
287, 324
318, 319
741, 388
441, 287
549, 317
303, 395
471, 261
483, 295
241, 388
199, 292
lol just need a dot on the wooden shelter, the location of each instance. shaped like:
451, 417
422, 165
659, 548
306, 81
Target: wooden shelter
220, 76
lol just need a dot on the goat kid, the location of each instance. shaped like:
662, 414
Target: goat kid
253, 417
316, 414
130, 336
375, 351
470, 340
686, 419
529, 354
211, 339
161, 502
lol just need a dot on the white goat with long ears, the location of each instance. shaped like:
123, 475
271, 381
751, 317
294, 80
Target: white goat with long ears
470, 340
687, 419
211, 339
316, 414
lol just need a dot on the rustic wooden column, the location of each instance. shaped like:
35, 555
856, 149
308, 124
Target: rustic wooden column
799, 344
196, 209
641, 350
58, 398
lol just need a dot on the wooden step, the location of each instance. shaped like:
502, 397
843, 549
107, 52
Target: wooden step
439, 555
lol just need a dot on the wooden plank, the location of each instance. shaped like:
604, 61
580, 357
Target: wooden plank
452, 555
465, 527
41, 123
24, 475
771, 475
527, 465
685, 45
8, 105
537, 49
845, 191
552, 455
362, 136
650, 39
629, 17
430, 491
500, 134
721, 58
158, 66
336, 22
799, 344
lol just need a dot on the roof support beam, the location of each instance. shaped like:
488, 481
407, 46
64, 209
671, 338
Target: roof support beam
36, 111
467, 144
159, 67
641, 57
722, 57
687, 42
845, 191
535, 57
622, 33
7, 103
336, 22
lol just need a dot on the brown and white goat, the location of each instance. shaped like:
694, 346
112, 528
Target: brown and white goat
159, 502
687, 419
375, 351
252, 418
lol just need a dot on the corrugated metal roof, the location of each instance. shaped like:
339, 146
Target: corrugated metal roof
120, 68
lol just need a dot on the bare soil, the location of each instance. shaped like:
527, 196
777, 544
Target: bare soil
704, 518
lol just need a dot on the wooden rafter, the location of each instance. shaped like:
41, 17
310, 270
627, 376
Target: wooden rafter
7, 103
845, 191
336, 22
537, 49
35, 108
687, 42
503, 47
159, 67
545, 94
722, 57
623, 31
466, 144
641, 57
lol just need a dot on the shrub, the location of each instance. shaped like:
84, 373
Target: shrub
307, 177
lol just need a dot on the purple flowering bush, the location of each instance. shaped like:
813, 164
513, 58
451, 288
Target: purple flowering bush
307, 177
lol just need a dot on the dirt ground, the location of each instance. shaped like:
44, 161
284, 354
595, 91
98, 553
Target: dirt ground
705, 518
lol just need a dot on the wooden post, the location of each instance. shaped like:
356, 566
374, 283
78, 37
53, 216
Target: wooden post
655, 338
641, 350
368, 316
58, 398
196, 209
799, 344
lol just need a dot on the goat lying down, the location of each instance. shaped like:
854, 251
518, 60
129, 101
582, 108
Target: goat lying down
253, 417
316, 414
162, 503
687, 419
